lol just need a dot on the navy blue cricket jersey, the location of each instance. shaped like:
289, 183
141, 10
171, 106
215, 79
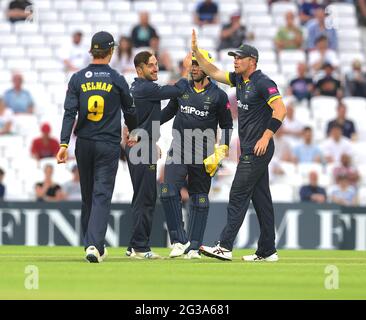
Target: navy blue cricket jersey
204, 109
97, 94
147, 96
254, 112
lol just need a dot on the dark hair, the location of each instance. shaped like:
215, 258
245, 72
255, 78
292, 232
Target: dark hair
142, 57
321, 38
100, 53
2, 172
307, 129
129, 50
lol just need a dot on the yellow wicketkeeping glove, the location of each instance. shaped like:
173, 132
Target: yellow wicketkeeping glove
212, 162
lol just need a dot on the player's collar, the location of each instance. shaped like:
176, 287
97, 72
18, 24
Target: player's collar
200, 90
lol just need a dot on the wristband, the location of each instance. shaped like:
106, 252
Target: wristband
64, 145
274, 125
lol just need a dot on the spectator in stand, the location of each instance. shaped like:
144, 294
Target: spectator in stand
122, 59
48, 190
343, 193
73, 55
301, 87
18, 99
321, 55
206, 13
163, 57
290, 36
328, 84
44, 146
71, 189
336, 145
6, 118
361, 11
19, 10
2, 186
234, 33
345, 168
356, 81
318, 27
312, 192
292, 128
143, 32
348, 127
307, 151
307, 10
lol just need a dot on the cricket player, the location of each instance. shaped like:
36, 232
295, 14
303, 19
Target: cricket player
261, 112
201, 108
96, 94
147, 96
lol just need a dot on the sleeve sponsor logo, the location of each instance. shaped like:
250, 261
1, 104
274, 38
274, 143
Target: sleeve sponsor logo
272, 90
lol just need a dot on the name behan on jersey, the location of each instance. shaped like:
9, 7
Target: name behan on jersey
193, 110
89, 86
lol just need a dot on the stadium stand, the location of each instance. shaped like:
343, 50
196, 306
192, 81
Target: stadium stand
33, 48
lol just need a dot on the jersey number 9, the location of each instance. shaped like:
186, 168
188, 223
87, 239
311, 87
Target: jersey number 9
95, 108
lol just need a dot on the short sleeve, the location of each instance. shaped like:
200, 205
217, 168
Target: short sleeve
267, 88
231, 78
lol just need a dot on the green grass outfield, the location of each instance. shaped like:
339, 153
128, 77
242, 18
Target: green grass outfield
63, 274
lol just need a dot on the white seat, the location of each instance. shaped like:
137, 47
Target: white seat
9, 39
85, 27
19, 64
53, 77
116, 5
43, 4
209, 31
25, 124
267, 56
30, 76
305, 168
177, 18
150, 6
158, 17
46, 16
126, 18
32, 40
72, 16
322, 106
282, 7
349, 33
26, 28
265, 33
349, 57
104, 17
165, 30
48, 64
362, 196
65, 5
173, 43
353, 45
53, 28
356, 107
229, 8
92, 5
282, 193
341, 9
12, 52
39, 52
292, 56
255, 8
259, 20
5, 28
172, 6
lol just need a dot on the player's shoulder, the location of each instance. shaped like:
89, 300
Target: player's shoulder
263, 79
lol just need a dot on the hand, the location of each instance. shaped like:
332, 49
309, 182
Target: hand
62, 155
261, 146
194, 45
187, 62
213, 162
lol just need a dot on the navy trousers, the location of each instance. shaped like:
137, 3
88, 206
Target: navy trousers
97, 163
251, 183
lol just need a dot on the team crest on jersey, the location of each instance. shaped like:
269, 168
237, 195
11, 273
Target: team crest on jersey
206, 107
185, 96
208, 100
88, 74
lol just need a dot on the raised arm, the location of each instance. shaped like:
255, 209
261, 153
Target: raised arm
210, 69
